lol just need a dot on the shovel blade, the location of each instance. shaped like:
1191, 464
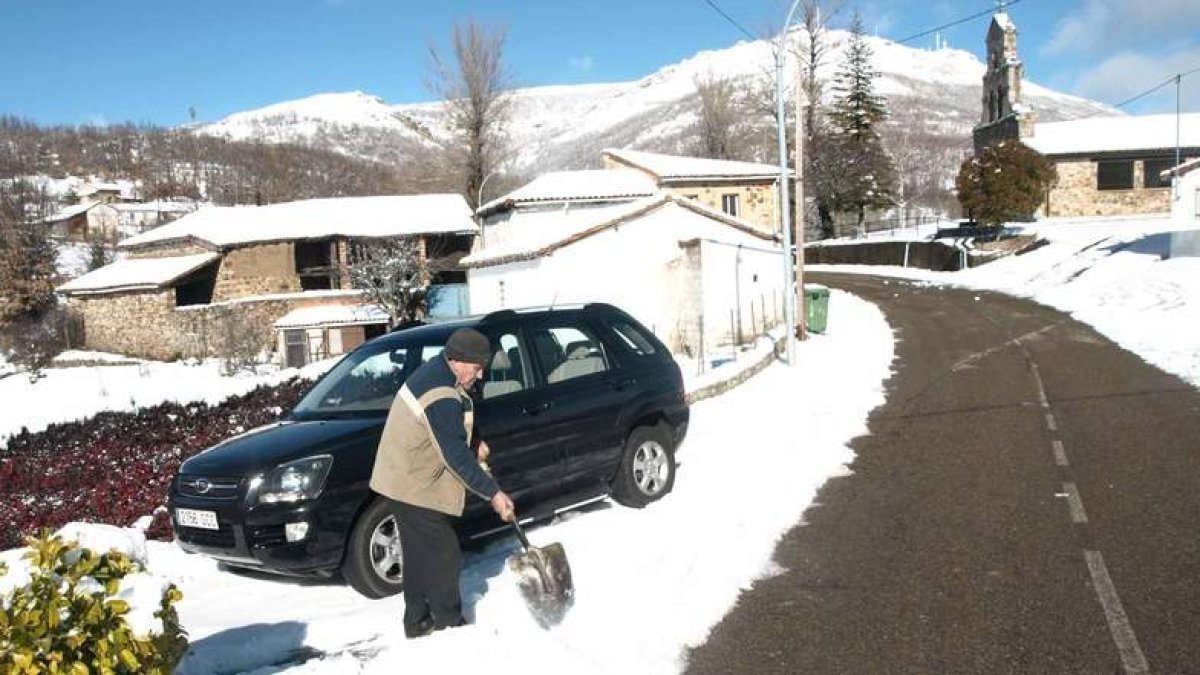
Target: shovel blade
544, 577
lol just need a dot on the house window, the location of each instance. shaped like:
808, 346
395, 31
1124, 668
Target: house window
1152, 176
1114, 174
729, 204
315, 265
295, 348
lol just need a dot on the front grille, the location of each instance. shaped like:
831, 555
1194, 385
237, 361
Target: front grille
208, 487
222, 538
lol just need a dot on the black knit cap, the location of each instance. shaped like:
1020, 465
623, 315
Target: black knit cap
470, 346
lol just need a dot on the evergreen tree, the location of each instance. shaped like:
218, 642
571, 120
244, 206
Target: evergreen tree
1007, 181
27, 256
855, 115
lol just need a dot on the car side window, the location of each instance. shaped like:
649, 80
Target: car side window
508, 371
633, 338
430, 351
567, 351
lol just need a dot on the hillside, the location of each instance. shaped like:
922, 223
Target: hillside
933, 97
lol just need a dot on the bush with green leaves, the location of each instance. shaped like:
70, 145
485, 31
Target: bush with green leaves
71, 616
1007, 181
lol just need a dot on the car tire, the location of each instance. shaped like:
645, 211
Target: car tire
373, 565
647, 471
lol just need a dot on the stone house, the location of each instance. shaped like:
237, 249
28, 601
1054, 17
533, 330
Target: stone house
224, 277
744, 190
1106, 165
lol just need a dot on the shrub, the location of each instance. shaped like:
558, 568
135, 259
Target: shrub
69, 618
1007, 181
116, 467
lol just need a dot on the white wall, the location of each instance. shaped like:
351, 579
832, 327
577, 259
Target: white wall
637, 266
1187, 207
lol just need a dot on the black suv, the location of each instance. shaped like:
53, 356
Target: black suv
578, 403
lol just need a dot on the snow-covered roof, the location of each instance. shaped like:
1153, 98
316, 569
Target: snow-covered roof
543, 241
675, 167
158, 206
1114, 134
1003, 20
332, 315
71, 211
134, 274
1184, 168
586, 185
392, 216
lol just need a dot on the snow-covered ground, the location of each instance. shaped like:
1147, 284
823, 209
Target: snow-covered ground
1111, 273
652, 582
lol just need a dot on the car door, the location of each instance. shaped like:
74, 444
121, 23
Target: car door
582, 405
526, 457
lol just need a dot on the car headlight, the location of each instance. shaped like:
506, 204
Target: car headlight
292, 482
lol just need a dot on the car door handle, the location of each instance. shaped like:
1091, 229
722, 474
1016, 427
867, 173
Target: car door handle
622, 385
536, 408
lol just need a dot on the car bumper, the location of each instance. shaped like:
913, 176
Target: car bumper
256, 537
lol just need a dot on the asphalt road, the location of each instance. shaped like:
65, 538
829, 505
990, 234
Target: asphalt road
1027, 501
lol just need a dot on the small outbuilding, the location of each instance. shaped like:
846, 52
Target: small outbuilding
697, 277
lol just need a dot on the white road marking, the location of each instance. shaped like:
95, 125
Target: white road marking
1050, 423
1060, 454
1075, 503
1132, 658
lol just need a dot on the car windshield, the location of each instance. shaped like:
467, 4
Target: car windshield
364, 383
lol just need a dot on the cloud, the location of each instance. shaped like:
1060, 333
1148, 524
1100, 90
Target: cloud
582, 63
1101, 25
1129, 73
96, 120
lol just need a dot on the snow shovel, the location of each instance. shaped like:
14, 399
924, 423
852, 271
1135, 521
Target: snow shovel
544, 578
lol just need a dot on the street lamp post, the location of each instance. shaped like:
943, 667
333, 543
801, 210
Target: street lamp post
789, 291
479, 204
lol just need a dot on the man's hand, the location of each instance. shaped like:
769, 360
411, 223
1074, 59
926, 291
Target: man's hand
483, 452
502, 504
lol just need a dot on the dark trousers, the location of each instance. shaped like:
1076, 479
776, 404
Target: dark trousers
432, 561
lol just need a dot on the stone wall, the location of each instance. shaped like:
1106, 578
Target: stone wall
163, 331
756, 201
1075, 194
929, 255
248, 271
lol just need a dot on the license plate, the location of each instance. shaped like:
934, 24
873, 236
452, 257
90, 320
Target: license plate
204, 520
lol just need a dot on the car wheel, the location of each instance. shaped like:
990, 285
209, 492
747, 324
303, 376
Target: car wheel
373, 565
647, 471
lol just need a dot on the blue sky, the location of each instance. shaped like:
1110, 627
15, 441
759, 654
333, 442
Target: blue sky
104, 61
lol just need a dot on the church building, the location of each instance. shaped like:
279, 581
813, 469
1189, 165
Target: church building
1106, 166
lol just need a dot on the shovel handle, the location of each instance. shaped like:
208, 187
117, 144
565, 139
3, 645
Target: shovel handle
520, 533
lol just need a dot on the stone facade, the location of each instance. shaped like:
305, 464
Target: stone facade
756, 197
1003, 115
755, 200
1076, 194
257, 270
163, 331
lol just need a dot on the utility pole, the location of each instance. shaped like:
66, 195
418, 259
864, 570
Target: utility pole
801, 296
1175, 178
789, 290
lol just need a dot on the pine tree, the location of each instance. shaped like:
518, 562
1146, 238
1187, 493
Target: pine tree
27, 256
857, 111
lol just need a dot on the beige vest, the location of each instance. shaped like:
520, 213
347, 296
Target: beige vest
409, 466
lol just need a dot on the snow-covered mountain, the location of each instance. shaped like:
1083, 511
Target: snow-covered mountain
933, 95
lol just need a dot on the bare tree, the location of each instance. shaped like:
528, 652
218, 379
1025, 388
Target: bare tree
718, 117
394, 274
475, 88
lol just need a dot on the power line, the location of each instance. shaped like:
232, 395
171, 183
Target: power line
1156, 87
731, 20
974, 16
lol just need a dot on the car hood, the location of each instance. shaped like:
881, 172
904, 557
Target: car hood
273, 444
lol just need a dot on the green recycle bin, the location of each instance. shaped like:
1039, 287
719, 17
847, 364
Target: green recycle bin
816, 299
